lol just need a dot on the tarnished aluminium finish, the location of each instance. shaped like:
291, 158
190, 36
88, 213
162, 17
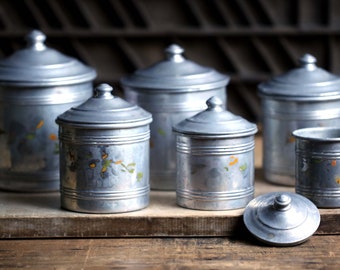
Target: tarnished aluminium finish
104, 155
318, 165
215, 159
37, 84
172, 90
307, 96
281, 218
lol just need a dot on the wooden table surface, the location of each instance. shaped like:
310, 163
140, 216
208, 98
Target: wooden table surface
241, 251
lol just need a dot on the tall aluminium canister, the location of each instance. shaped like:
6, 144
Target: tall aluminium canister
307, 96
215, 159
172, 90
104, 155
37, 83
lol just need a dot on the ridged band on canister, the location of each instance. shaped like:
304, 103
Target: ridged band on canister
88, 138
301, 110
105, 202
183, 147
214, 200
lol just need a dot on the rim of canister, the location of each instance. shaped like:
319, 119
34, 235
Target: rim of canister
304, 83
281, 218
215, 122
105, 111
39, 65
318, 134
175, 74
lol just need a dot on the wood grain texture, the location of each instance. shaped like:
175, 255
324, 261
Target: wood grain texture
319, 252
40, 216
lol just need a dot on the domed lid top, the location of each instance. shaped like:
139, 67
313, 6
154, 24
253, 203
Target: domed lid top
305, 82
39, 65
105, 110
216, 121
175, 73
281, 218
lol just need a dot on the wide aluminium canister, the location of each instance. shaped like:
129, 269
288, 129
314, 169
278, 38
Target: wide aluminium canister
318, 165
215, 159
37, 83
172, 90
307, 96
104, 155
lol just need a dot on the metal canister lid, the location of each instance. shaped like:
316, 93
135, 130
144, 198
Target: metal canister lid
103, 111
281, 218
307, 82
175, 74
216, 122
39, 65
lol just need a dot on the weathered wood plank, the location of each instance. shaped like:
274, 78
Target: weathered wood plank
39, 216
319, 252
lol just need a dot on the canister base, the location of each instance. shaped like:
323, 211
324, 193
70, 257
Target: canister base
163, 181
279, 179
29, 182
322, 200
214, 201
104, 202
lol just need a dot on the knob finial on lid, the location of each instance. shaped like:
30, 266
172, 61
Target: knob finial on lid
104, 91
308, 61
175, 53
215, 104
36, 40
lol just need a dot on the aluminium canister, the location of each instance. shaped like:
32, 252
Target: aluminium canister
172, 90
318, 165
307, 96
215, 159
37, 83
104, 155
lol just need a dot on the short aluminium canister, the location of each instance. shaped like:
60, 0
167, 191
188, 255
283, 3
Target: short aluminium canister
215, 159
37, 83
104, 155
307, 96
172, 89
318, 165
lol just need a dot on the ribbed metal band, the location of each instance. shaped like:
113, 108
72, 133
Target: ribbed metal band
214, 196
317, 155
95, 140
301, 115
104, 195
215, 150
312, 192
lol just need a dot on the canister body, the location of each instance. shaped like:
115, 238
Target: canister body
104, 170
318, 165
29, 135
280, 118
214, 173
167, 109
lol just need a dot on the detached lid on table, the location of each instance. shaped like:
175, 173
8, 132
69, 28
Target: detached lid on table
216, 122
307, 82
105, 111
175, 74
39, 65
281, 218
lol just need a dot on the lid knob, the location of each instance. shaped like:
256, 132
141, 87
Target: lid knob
282, 202
308, 61
104, 91
35, 40
174, 53
215, 104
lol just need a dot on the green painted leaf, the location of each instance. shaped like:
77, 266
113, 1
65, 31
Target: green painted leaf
161, 132
243, 167
139, 176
